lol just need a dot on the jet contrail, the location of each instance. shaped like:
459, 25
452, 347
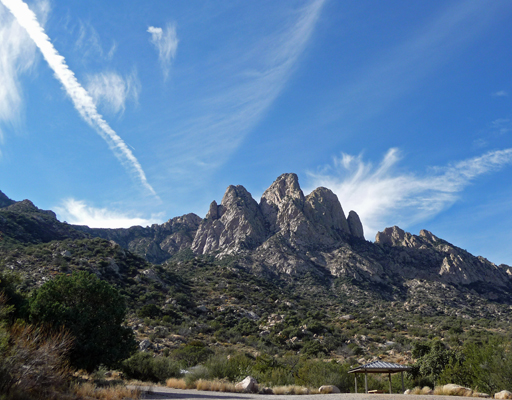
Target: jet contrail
83, 102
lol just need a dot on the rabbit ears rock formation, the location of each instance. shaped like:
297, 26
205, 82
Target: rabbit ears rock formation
239, 222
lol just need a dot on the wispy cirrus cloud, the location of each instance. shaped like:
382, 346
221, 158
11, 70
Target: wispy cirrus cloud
238, 87
78, 212
111, 90
166, 42
501, 125
17, 55
500, 93
383, 196
81, 99
89, 43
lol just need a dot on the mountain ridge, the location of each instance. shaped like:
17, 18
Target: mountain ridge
290, 235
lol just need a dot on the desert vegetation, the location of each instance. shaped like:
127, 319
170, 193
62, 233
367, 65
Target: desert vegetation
220, 323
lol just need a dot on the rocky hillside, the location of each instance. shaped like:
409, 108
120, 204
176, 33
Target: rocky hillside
283, 274
293, 234
295, 238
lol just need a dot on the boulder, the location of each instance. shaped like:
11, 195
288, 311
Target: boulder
504, 394
456, 390
248, 385
325, 389
144, 345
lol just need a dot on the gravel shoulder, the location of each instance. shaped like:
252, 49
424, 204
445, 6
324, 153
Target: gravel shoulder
162, 393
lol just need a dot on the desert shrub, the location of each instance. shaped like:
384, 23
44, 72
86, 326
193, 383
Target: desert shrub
486, 366
318, 373
233, 367
92, 311
145, 367
433, 359
192, 354
33, 359
115, 392
313, 348
149, 311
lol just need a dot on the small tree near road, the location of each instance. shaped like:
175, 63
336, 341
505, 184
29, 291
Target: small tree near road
92, 311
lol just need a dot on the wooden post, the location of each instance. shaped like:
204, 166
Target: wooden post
403, 386
389, 375
355, 378
366, 382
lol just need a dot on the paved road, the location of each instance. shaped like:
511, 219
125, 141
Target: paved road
162, 393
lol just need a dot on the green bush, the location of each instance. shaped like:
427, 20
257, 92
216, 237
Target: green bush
318, 373
192, 354
145, 367
92, 311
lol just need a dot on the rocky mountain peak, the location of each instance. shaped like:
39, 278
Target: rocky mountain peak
236, 224
26, 206
323, 209
285, 186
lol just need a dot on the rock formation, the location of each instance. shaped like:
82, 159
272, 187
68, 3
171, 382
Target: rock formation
291, 236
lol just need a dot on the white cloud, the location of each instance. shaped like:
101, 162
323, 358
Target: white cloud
77, 212
17, 55
502, 125
238, 87
383, 196
111, 90
82, 101
501, 93
166, 42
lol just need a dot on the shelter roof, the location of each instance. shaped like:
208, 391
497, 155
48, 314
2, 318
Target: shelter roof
379, 366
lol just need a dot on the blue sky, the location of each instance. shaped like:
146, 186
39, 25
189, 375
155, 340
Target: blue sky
132, 112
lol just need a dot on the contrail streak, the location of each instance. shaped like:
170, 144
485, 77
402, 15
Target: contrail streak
82, 101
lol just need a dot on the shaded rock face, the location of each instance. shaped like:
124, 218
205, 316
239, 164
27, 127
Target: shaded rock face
428, 257
24, 222
5, 201
156, 243
355, 225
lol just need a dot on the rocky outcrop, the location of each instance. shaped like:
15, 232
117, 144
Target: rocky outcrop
156, 243
355, 225
428, 257
24, 222
303, 222
236, 224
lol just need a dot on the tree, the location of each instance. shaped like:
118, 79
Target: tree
433, 358
92, 311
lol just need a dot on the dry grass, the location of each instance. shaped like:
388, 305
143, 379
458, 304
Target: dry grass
120, 392
36, 360
423, 390
291, 389
178, 384
449, 390
217, 385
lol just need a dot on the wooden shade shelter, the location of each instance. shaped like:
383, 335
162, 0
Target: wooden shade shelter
379, 367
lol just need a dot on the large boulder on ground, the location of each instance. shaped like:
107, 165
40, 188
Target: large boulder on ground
504, 394
456, 390
249, 385
325, 389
